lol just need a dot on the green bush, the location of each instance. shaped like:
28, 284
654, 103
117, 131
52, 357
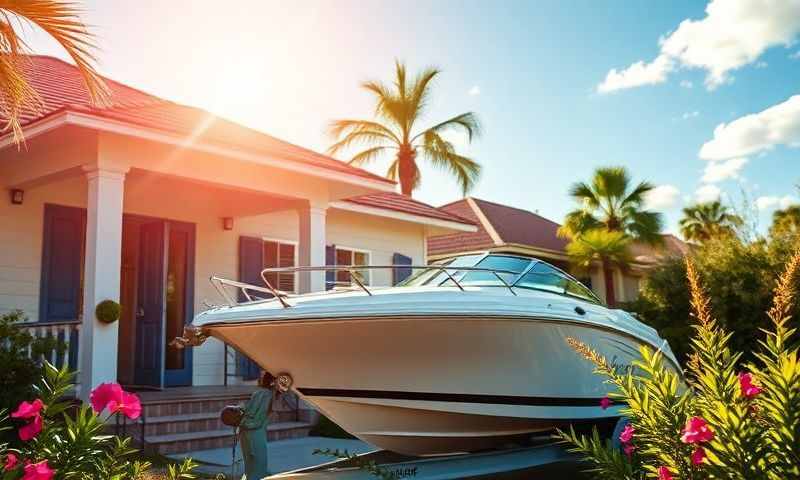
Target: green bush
738, 277
20, 369
725, 419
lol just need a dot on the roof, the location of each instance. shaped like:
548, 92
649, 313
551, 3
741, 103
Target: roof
61, 89
498, 225
403, 203
501, 225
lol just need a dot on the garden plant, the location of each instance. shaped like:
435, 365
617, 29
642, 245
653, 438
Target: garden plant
723, 418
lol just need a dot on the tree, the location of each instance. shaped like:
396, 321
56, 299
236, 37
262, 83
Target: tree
608, 203
59, 19
399, 107
786, 221
604, 246
704, 221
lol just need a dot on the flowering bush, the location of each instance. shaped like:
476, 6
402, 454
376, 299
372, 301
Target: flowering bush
717, 422
58, 445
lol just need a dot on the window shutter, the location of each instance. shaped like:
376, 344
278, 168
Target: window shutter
62, 263
330, 259
400, 274
251, 263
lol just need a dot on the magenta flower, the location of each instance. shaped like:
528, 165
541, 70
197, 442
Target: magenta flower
664, 473
27, 410
749, 390
627, 433
38, 471
696, 431
31, 430
698, 456
103, 394
11, 462
605, 402
129, 405
628, 449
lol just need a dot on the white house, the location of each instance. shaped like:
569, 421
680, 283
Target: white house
141, 202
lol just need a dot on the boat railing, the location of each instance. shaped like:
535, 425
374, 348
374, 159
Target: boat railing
248, 293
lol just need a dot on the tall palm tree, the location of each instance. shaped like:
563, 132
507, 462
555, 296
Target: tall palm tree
58, 18
611, 214
704, 221
398, 109
786, 220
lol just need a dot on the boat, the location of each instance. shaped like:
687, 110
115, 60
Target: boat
467, 354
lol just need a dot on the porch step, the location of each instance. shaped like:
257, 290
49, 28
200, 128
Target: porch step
201, 422
221, 438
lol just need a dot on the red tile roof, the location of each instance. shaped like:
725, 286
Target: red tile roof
406, 204
61, 88
511, 226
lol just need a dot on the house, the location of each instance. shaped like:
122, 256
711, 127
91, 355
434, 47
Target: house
502, 228
140, 202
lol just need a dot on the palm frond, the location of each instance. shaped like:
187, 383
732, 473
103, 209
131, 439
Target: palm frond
366, 156
467, 122
583, 193
644, 225
338, 127
611, 182
360, 137
599, 244
636, 196
420, 92
578, 221
442, 155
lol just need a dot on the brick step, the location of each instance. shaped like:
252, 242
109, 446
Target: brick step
165, 408
221, 438
198, 422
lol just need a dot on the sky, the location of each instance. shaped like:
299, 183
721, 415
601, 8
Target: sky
702, 100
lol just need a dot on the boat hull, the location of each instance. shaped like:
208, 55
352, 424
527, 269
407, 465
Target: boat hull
438, 384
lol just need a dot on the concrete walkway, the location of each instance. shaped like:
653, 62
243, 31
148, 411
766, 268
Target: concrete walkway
283, 455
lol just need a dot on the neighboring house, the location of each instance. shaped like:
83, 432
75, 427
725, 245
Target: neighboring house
512, 230
141, 202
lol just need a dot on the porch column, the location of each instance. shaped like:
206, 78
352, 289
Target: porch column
311, 248
98, 342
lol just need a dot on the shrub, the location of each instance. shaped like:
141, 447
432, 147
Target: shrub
59, 442
21, 369
722, 423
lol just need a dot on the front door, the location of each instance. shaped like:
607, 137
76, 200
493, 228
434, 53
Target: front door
149, 359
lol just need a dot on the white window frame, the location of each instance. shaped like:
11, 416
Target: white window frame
294, 243
352, 250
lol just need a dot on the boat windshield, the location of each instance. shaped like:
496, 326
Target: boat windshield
548, 278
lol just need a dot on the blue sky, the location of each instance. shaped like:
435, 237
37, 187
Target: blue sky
535, 72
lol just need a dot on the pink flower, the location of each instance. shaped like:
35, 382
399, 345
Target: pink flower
104, 394
628, 449
605, 402
698, 456
129, 405
38, 471
28, 410
11, 462
696, 431
31, 430
746, 384
664, 473
627, 433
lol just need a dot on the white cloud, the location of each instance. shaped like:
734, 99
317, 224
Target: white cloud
686, 84
777, 125
636, 75
734, 33
707, 193
662, 196
688, 115
773, 202
475, 90
719, 171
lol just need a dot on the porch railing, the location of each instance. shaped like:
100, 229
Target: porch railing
67, 332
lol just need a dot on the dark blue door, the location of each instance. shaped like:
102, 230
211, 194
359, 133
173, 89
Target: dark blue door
251, 263
179, 307
150, 309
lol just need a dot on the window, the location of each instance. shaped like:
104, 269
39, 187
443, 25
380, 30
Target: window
278, 254
496, 262
349, 256
544, 277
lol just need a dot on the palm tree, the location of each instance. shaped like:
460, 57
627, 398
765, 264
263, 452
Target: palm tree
398, 109
59, 19
600, 245
786, 220
610, 211
704, 221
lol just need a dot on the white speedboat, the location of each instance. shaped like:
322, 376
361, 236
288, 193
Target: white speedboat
467, 354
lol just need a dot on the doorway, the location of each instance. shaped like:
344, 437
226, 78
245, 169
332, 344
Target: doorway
157, 292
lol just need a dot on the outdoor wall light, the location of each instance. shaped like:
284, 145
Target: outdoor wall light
227, 223
17, 196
